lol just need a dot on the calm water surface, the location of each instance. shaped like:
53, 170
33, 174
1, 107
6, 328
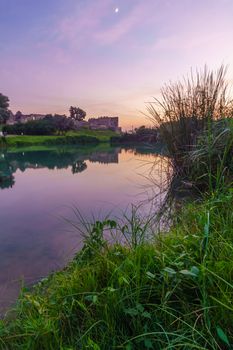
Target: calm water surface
42, 188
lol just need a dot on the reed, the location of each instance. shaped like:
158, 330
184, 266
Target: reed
187, 109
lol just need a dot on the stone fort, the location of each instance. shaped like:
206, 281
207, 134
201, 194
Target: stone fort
100, 123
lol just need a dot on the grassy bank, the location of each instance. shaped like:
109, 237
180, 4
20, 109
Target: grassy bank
174, 293
78, 137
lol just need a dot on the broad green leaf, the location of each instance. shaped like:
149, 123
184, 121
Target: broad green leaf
195, 270
188, 273
149, 274
123, 280
222, 335
131, 312
148, 344
170, 270
146, 314
92, 297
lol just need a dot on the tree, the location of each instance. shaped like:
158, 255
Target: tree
18, 116
4, 101
4, 115
63, 123
60, 122
79, 166
77, 113
4, 112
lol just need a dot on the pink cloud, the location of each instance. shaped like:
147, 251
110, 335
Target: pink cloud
124, 26
80, 26
87, 24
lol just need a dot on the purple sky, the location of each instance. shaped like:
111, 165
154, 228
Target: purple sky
57, 53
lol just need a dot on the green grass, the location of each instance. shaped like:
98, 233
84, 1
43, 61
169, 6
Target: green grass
175, 292
103, 136
102, 146
79, 137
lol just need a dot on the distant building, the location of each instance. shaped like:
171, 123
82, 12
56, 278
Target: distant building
101, 123
24, 118
104, 123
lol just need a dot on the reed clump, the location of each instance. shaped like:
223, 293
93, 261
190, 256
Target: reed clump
188, 116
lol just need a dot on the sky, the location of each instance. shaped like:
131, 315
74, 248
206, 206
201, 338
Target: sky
109, 57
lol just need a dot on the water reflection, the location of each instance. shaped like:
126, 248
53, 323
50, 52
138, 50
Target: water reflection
62, 158
39, 188
10, 161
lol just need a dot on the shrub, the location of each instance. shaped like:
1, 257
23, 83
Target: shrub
37, 127
46, 126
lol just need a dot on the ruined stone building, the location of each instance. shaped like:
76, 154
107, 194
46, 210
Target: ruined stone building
109, 123
101, 123
24, 118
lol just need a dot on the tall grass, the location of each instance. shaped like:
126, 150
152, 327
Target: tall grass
187, 109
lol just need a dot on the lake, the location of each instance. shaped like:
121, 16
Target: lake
42, 188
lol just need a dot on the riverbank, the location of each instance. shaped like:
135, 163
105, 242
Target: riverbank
72, 137
172, 293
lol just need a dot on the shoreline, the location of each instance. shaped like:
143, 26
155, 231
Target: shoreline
81, 137
108, 293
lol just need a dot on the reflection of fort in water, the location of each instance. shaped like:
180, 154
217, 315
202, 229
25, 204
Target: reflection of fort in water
10, 162
60, 158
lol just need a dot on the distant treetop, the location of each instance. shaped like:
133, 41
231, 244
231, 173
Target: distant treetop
4, 101
77, 113
4, 112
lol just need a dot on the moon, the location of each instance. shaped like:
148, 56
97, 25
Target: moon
116, 10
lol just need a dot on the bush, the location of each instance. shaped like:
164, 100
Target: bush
142, 134
46, 126
40, 127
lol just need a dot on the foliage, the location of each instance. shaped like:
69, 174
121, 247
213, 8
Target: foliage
18, 116
4, 115
211, 158
141, 134
60, 122
175, 293
77, 113
4, 101
34, 127
46, 126
4, 112
187, 109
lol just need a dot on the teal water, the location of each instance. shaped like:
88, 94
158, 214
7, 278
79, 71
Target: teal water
39, 190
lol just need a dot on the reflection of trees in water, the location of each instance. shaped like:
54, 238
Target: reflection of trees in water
63, 158
145, 149
6, 173
7, 181
10, 162
78, 167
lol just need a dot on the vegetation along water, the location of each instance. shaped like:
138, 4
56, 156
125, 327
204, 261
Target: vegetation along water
169, 290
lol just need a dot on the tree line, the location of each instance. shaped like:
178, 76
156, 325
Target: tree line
49, 125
